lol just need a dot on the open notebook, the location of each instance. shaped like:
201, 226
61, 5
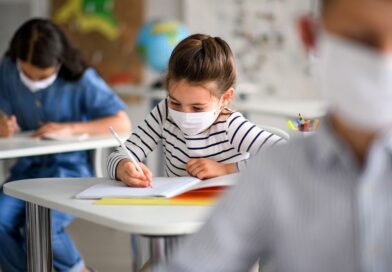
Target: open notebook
161, 187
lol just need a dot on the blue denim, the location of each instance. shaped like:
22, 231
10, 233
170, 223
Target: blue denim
12, 240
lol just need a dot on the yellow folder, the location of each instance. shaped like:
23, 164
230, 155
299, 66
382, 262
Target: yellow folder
201, 197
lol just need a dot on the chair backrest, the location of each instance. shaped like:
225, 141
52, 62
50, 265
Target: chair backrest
277, 131
97, 159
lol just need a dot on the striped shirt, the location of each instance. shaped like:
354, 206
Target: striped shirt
230, 139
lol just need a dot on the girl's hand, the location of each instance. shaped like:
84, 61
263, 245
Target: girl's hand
63, 129
8, 126
127, 173
205, 168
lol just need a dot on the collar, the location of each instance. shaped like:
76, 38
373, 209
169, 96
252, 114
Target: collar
331, 149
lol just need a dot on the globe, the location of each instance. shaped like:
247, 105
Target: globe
156, 41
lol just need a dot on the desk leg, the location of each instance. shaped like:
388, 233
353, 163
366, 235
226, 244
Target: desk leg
97, 162
137, 250
161, 248
39, 241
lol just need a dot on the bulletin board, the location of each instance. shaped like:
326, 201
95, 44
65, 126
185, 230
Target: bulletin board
105, 31
263, 36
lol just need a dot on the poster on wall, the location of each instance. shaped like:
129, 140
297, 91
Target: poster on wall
263, 36
105, 31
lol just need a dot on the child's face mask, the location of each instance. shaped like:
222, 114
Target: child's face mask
356, 81
36, 85
193, 123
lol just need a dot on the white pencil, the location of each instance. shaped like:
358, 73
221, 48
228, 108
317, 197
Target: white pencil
126, 151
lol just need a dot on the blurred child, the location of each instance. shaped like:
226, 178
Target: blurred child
46, 87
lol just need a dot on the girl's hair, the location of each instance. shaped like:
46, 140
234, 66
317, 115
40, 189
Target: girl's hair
42, 44
201, 60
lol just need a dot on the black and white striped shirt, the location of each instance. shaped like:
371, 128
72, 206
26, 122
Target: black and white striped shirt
231, 139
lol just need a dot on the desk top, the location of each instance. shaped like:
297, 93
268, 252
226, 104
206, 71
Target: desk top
22, 145
58, 193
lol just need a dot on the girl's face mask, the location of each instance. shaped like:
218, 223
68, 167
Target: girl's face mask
36, 85
193, 123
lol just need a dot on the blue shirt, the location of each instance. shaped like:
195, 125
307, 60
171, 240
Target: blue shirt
87, 99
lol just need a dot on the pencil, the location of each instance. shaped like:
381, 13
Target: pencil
126, 152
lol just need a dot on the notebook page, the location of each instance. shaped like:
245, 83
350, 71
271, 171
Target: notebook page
161, 187
222, 181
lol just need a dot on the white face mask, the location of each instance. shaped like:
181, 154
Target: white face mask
356, 81
36, 85
192, 123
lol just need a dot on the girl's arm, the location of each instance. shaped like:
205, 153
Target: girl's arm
119, 121
98, 109
247, 137
143, 140
244, 137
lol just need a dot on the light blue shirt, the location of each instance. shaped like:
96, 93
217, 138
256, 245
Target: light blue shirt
87, 99
302, 207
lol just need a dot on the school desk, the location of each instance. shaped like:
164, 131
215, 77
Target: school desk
23, 145
163, 225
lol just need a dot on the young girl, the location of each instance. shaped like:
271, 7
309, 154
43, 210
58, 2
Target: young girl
200, 135
46, 87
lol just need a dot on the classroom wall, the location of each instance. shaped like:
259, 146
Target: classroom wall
160, 9
163, 8
257, 61
14, 12
263, 35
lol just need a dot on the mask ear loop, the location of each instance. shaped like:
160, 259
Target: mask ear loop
225, 105
221, 108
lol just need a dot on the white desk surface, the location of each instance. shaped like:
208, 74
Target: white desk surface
23, 145
58, 193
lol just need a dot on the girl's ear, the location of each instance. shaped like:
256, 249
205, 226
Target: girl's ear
228, 96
